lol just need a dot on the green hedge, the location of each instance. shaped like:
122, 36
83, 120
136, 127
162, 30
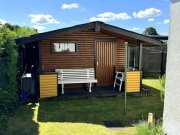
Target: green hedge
8, 69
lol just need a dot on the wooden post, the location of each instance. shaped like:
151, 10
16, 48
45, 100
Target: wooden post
125, 73
128, 60
140, 56
150, 120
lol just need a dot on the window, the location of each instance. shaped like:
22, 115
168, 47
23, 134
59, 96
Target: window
68, 47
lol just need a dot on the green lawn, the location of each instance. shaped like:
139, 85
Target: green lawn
84, 116
153, 83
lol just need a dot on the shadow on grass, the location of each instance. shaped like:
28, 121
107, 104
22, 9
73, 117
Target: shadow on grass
23, 122
95, 110
108, 111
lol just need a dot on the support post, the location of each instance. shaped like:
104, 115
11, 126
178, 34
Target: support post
140, 56
128, 60
140, 62
125, 73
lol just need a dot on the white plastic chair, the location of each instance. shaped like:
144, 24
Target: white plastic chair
120, 77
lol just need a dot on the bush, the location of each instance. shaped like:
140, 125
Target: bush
3, 123
145, 73
162, 80
9, 51
143, 129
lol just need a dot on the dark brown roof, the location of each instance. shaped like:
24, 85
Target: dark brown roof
159, 37
97, 26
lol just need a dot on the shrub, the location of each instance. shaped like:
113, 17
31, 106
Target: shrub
143, 129
162, 80
145, 73
9, 51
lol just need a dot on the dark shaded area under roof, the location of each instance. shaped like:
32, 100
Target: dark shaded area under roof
127, 35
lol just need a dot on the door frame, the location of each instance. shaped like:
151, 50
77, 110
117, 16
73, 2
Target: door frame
114, 55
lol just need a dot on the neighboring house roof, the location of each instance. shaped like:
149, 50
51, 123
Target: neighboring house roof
97, 26
159, 37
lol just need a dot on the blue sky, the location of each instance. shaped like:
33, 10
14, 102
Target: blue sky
46, 15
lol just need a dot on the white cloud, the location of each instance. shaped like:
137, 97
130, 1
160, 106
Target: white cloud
42, 19
2, 21
166, 21
39, 27
70, 6
159, 23
110, 16
97, 19
135, 29
147, 13
150, 19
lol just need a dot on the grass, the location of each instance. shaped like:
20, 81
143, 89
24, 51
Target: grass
153, 83
84, 116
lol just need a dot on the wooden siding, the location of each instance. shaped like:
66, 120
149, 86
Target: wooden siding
85, 55
133, 80
48, 85
119, 55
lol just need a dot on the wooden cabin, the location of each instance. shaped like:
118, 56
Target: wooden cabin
92, 45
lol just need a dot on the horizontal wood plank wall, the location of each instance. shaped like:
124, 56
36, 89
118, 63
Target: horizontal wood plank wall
120, 55
84, 58
133, 81
48, 85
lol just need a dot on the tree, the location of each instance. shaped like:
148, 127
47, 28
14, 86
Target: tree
150, 31
9, 50
12, 31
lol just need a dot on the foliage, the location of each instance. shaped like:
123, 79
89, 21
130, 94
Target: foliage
145, 73
162, 80
143, 129
9, 51
150, 31
8, 33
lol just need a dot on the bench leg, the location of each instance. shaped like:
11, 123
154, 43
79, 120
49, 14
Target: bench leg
90, 87
62, 90
120, 86
114, 82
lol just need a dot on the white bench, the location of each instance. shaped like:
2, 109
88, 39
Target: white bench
74, 76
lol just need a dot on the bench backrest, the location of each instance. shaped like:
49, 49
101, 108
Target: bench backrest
84, 73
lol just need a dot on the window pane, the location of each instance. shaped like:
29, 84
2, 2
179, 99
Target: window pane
72, 47
55, 47
64, 47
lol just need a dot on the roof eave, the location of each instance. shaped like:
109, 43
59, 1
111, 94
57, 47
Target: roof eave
58, 32
97, 26
131, 34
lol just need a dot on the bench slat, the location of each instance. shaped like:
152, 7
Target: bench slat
76, 81
76, 73
75, 76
